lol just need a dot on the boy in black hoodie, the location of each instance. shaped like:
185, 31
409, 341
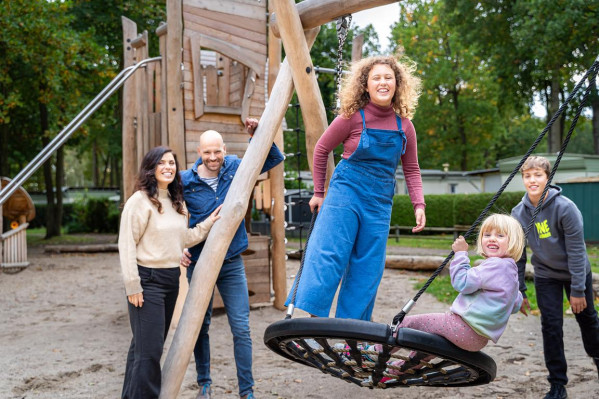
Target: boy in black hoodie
560, 264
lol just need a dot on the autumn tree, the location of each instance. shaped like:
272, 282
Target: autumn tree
534, 46
48, 65
457, 119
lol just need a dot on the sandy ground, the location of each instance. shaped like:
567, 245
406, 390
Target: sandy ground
65, 334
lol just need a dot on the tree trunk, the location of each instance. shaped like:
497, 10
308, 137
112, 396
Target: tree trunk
4, 170
95, 174
59, 186
555, 134
594, 100
49, 184
463, 141
115, 173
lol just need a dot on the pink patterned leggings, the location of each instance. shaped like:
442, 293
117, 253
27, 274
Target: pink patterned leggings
448, 325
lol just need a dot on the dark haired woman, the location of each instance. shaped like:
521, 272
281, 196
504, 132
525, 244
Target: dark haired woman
152, 236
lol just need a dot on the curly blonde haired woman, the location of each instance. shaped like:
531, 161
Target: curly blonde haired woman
348, 241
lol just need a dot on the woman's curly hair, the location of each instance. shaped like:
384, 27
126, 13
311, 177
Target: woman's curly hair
354, 95
146, 179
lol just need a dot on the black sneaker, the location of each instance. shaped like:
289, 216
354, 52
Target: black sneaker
557, 391
596, 360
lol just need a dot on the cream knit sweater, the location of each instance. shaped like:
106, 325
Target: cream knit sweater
152, 239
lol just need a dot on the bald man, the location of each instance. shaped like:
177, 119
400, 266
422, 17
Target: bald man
205, 187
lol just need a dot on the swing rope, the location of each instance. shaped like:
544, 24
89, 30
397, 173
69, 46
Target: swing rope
592, 73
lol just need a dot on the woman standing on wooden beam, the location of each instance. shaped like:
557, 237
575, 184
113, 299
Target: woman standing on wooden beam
349, 239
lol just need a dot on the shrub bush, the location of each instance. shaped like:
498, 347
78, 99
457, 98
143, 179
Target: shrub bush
447, 210
88, 215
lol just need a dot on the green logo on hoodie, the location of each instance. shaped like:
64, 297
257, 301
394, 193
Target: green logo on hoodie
543, 229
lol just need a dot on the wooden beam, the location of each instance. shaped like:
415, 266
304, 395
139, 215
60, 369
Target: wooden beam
314, 13
219, 239
356, 47
248, 92
174, 90
128, 127
304, 78
161, 32
238, 53
277, 181
141, 81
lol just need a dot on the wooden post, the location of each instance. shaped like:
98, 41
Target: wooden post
315, 13
356, 47
219, 239
174, 89
277, 181
304, 78
140, 44
161, 33
128, 127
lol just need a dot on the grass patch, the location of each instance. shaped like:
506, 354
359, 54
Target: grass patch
443, 291
35, 237
431, 242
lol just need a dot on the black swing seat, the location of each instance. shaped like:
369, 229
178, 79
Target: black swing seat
344, 348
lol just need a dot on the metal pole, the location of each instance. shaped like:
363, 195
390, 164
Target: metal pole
65, 133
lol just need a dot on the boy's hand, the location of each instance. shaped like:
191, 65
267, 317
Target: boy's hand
578, 304
459, 244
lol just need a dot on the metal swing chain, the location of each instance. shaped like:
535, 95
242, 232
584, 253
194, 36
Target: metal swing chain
343, 24
592, 71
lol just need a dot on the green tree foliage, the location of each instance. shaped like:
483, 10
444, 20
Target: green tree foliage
49, 67
102, 141
535, 46
457, 112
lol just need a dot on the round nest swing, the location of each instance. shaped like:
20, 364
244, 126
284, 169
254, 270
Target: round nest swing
342, 348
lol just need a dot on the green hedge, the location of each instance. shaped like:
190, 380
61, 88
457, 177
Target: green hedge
447, 210
89, 215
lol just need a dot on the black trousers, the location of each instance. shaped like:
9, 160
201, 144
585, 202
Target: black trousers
550, 298
150, 324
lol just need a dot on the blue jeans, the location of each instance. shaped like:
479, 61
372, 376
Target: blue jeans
549, 298
232, 286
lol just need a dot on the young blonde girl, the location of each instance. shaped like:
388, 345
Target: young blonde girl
488, 293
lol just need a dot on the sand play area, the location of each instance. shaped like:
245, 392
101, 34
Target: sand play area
65, 334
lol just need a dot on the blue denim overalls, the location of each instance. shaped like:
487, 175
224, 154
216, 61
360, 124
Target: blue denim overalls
349, 239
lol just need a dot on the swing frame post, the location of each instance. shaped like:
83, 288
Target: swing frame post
315, 13
221, 234
304, 78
